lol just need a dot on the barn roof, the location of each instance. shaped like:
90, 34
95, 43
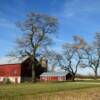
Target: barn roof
54, 73
12, 60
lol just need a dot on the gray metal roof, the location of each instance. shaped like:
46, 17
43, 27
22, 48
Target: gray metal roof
12, 60
54, 73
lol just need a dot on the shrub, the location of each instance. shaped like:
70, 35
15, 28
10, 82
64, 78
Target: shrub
6, 81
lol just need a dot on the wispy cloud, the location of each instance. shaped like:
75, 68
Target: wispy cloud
69, 14
8, 34
58, 40
4, 43
7, 24
8, 30
78, 7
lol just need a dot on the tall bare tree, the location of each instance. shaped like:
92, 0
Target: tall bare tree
37, 29
73, 55
73, 59
97, 48
93, 55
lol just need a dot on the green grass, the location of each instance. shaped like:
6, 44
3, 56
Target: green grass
14, 91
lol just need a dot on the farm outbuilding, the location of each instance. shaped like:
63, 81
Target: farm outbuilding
55, 76
18, 69
15, 69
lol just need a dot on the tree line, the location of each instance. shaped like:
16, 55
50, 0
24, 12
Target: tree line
38, 30
78, 54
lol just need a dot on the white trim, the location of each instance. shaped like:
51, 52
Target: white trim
16, 79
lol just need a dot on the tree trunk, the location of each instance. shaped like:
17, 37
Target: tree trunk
33, 72
33, 69
95, 74
73, 77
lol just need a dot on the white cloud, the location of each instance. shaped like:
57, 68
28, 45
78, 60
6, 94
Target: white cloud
7, 24
58, 40
8, 30
8, 34
76, 7
70, 14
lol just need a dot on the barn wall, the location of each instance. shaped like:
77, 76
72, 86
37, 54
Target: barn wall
52, 78
12, 72
26, 70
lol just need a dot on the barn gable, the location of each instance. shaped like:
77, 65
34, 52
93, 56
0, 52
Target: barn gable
11, 68
12, 60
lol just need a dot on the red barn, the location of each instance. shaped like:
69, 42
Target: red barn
15, 69
55, 76
19, 69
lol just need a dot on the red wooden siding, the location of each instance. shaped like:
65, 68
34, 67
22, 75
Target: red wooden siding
10, 70
53, 78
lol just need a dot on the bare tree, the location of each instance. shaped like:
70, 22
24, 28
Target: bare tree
73, 55
80, 43
37, 29
97, 48
72, 58
93, 55
54, 58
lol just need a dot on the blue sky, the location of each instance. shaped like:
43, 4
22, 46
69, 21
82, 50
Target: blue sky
76, 17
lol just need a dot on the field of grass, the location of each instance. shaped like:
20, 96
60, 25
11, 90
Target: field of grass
49, 91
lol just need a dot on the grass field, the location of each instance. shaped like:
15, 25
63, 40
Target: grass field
50, 91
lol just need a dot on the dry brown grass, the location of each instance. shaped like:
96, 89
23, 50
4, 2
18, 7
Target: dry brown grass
51, 91
85, 94
82, 94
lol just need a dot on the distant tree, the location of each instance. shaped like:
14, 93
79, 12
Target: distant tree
54, 58
73, 55
37, 29
93, 55
97, 57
